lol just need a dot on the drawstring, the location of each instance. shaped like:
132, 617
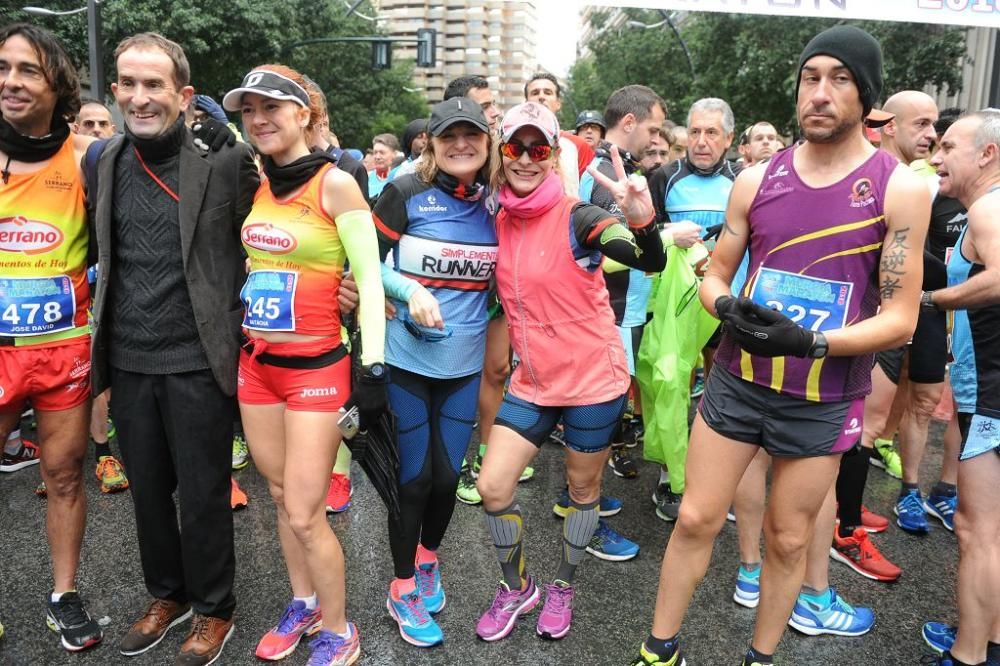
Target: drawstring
259, 347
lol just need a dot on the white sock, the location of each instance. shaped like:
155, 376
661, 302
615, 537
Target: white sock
347, 634
311, 602
56, 596
664, 477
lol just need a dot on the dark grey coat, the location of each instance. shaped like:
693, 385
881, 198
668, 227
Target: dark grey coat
216, 192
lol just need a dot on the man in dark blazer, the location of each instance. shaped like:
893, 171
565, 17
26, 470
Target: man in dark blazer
167, 218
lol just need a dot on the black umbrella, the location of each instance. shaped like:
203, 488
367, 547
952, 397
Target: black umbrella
376, 449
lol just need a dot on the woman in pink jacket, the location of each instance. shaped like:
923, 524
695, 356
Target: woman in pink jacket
572, 360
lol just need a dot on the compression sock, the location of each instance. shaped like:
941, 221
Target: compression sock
578, 528
851, 488
506, 527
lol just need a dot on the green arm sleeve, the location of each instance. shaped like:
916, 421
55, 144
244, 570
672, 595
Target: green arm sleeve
357, 232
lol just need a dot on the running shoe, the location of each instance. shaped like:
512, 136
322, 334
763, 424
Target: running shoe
859, 553
111, 474
330, 649
526, 474
466, 492
747, 592
748, 661
730, 516
607, 544
621, 463
635, 433
887, 457
41, 490
609, 505
938, 660
241, 454
557, 611
670, 505
872, 522
558, 435
26, 456
69, 618
943, 507
939, 636
237, 498
339, 494
431, 589
910, 513
647, 658
416, 625
296, 622
660, 492
837, 618
498, 621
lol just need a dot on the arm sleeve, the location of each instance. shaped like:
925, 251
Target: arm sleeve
397, 285
358, 235
390, 218
640, 248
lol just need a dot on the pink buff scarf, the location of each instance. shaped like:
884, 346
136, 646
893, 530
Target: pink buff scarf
545, 196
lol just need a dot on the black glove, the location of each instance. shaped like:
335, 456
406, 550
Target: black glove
765, 332
726, 306
370, 394
210, 134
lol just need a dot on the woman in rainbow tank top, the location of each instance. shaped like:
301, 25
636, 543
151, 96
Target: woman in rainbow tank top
307, 220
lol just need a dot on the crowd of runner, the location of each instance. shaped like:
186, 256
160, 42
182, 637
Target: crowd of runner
252, 291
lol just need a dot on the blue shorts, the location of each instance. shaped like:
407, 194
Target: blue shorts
980, 434
588, 428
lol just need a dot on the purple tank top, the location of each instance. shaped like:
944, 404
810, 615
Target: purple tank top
814, 255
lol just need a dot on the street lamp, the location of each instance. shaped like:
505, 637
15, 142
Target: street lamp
94, 41
668, 21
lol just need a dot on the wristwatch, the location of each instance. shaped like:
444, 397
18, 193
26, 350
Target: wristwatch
376, 371
927, 301
820, 347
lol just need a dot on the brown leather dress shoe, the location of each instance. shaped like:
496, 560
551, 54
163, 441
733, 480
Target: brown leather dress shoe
150, 629
204, 644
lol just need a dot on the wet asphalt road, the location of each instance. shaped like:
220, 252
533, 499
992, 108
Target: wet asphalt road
614, 600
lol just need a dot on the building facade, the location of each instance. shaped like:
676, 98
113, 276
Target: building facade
491, 38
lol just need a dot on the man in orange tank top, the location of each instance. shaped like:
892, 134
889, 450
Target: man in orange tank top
44, 336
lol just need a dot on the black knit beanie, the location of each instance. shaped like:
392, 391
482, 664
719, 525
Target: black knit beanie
860, 53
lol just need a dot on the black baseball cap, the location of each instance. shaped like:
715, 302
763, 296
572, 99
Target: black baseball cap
457, 110
269, 84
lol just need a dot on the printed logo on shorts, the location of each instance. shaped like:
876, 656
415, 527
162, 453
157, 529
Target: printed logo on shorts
853, 427
19, 234
240, 380
80, 369
320, 392
267, 237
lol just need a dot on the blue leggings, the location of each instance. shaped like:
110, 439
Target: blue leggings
436, 418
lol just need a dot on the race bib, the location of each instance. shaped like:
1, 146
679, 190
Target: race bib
36, 306
269, 299
814, 303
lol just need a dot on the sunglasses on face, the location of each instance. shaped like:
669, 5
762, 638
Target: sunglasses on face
536, 153
424, 333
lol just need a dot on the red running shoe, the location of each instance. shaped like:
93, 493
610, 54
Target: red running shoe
338, 496
858, 552
872, 522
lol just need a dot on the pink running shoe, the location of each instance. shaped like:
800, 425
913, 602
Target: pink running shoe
297, 621
508, 604
557, 612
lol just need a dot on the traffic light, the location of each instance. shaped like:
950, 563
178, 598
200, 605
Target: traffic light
381, 54
426, 47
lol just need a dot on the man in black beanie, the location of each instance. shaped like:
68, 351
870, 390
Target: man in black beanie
835, 230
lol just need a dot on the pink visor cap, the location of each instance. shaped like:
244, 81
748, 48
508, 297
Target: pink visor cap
530, 114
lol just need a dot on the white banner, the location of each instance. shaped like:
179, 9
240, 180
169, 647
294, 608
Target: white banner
985, 13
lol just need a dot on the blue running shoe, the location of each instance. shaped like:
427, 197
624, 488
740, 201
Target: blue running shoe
747, 592
431, 589
607, 544
416, 626
939, 636
910, 514
609, 505
838, 618
943, 508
